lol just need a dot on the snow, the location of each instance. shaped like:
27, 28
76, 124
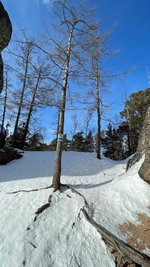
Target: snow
70, 241
61, 236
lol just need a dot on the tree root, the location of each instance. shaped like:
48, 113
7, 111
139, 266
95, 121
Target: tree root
30, 190
43, 207
125, 254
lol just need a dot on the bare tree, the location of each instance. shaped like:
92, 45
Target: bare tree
97, 101
2, 132
75, 124
5, 102
87, 119
40, 95
25, 58
71, 58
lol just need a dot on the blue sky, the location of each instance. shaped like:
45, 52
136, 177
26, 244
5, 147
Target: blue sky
130, 35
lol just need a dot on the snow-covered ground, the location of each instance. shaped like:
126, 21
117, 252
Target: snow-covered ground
61, 236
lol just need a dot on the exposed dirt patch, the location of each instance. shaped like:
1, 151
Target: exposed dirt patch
138, 235
7, 155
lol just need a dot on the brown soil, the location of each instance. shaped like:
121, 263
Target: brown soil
138, 235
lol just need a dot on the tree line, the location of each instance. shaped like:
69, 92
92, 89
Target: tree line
117, 142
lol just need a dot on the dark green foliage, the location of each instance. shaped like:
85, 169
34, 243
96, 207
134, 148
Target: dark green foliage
2, 136
113, 144
78, 142
53, 145
89, 143
138, 104
17, 138
65, 144
134, 114
35, 141
124, 133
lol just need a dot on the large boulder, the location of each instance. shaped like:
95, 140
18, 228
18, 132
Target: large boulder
144, 171
143, 149
5, 36
140, 150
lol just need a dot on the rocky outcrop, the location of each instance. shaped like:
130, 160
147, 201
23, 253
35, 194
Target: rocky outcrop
140, 150
143, 148
5, 36
144, 171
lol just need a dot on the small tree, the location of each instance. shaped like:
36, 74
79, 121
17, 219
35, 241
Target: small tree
89, 143
75, 125
87, 120
35, 140
24, 62
80, 34
113, 144
78, 142
134, 114
2, 133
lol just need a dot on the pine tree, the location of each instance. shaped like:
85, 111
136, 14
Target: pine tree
113, 144
35, 140
78, 142
134, 114
89, 143
65, 143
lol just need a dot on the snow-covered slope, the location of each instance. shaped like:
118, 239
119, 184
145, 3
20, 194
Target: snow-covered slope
61, 237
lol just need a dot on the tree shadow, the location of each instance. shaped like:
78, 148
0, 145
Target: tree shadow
89, 186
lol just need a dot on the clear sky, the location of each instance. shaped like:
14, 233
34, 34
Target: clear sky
130, 35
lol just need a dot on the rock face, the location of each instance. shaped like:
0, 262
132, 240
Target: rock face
144, 171
140, 150
5, 36
143, 148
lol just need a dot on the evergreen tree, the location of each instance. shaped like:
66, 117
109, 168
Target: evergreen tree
65, 143
89, 143
17, 142
134, 114
53, 144
124, 133
78, 142
113, 144
35, 140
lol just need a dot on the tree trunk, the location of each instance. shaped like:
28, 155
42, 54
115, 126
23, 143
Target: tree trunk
2, 135
98, 119
1, 73
130, 141
30, 111
5, 103
58, 158
21, 99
